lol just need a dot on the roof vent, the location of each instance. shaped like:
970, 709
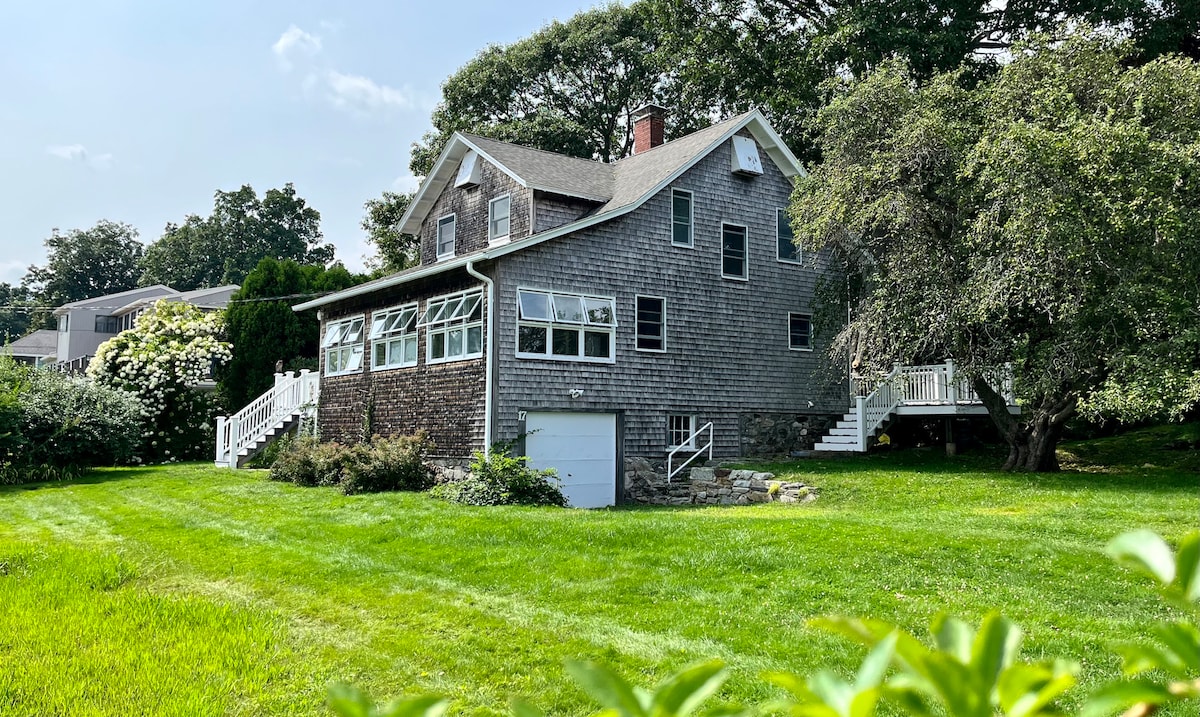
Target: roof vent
469, 170
745, 156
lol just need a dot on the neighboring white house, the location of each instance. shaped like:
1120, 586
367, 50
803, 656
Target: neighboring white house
38, 348
84, 325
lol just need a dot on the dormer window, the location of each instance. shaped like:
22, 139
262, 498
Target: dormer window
445, 237
498, 216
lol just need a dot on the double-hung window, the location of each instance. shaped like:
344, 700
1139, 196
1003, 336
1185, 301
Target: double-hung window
454, 327
681, 217
651, 323
788, 251
445, 237
565, 326
733, 251
800, 332
498, 216
394, 338
343, 344
680, 431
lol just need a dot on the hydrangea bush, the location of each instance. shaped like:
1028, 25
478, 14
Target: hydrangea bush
162, 361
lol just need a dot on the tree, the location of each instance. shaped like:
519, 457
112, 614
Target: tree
14, 312
85, 263
1048, 217
265, 332
242, 229
570, 88
394, 251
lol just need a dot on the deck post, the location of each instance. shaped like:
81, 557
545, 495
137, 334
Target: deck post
220, 439
951, 386
860, 408
951, 446
235, 428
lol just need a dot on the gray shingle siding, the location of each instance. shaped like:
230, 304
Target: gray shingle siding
727, 341
470, 208
551, 211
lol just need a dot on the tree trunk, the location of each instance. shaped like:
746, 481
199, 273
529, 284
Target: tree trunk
1033, 439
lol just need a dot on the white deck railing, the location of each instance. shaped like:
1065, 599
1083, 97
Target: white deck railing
292, 394
690, 445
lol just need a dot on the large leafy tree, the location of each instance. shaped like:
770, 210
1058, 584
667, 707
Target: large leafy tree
571, 88
263, 329
85, 263
14, 312
1048, 217
225, 246
393, 250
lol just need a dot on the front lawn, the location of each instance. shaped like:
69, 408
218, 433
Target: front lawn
193, 590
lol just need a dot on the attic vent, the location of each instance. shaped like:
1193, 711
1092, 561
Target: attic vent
468, 171
745, 156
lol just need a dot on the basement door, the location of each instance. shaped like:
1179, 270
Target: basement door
582, 447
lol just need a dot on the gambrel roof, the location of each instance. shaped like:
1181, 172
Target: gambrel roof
617, 188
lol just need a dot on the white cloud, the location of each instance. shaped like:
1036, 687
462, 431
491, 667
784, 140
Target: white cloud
362, 94
79, 153
293, 42
405, 183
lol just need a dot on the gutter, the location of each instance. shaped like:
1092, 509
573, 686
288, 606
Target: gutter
489, 356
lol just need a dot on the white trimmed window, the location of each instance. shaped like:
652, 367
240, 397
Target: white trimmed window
680, 430
681, 217
571, 327
651, 323
733, 251
394, 338
498, 216
788, 251
445, 237
343, 344
454, 327
800, 332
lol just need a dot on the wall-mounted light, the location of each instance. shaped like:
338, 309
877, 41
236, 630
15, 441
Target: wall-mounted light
576, 392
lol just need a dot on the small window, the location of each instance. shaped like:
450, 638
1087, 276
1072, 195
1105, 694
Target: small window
454, 327
681, 431
343, 344
445, 237
788, 251
107, 324
800, 332
733, 251
651, 323
681, 217
64, 323
498, 213
394, 338
565, 326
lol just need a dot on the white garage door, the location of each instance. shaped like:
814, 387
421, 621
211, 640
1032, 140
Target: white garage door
582, 447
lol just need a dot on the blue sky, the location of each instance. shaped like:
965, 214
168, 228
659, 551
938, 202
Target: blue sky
137, 111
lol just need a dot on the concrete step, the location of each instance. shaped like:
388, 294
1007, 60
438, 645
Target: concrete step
843, 431
847, 424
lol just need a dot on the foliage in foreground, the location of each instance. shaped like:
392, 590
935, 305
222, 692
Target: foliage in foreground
383, 464
502, 479
965, 673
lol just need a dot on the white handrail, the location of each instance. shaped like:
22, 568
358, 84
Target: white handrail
290, 395
690, 444
874, 408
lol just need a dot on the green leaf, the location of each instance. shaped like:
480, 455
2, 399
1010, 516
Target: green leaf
348, 701
1187, 567
995, 649
1117, 696
683, 692
523, 708
789, 681
606, 687
1145, 551
953, 636
1027, 690
832, 690
875, 665
419, 706
957, 686
1182, 642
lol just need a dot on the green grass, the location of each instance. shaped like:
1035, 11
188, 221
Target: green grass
187, 590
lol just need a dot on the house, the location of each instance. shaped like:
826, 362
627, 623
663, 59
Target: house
84, 325
37, 348
591, 312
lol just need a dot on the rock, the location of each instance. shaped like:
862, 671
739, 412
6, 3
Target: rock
740, 475
741, 483
702, 474
742, 500
739, 490
758, 497
762, 476
721, 472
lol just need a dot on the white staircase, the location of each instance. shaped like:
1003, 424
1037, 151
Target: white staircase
291, 400
843, 437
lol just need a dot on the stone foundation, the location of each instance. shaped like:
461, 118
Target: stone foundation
781, 434
647, 483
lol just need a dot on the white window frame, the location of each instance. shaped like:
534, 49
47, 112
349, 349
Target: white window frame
797, 255
64, 323
436, 324
806, 317
492, 218
437, 236
386, 337
552, 323
690, 432
691, 220
745, 275
637, 324
341, 340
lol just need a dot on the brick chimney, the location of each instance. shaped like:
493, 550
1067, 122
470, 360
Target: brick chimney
648, 125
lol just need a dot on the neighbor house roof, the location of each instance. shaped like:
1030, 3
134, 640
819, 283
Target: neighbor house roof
216, 297
43, 342
117, 300
633, 181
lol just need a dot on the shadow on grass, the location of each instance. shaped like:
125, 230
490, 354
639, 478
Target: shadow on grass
90, 477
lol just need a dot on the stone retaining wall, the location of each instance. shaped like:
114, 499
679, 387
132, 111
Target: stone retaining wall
647, 483
781, 434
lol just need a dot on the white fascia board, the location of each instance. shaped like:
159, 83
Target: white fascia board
575, 195
388, 282
776, 148
492, 159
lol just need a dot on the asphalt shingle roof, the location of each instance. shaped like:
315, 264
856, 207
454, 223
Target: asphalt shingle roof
549, 171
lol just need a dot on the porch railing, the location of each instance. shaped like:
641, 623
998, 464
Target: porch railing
292, 394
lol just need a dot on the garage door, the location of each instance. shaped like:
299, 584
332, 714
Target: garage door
582, 447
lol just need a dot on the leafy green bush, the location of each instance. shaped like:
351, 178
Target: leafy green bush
70, 420
307, 461
385, 464
501, 479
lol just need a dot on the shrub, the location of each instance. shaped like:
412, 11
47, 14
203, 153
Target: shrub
309, 462
385, 464
70, 420
501, 479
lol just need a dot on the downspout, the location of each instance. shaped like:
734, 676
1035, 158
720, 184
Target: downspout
489, 362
